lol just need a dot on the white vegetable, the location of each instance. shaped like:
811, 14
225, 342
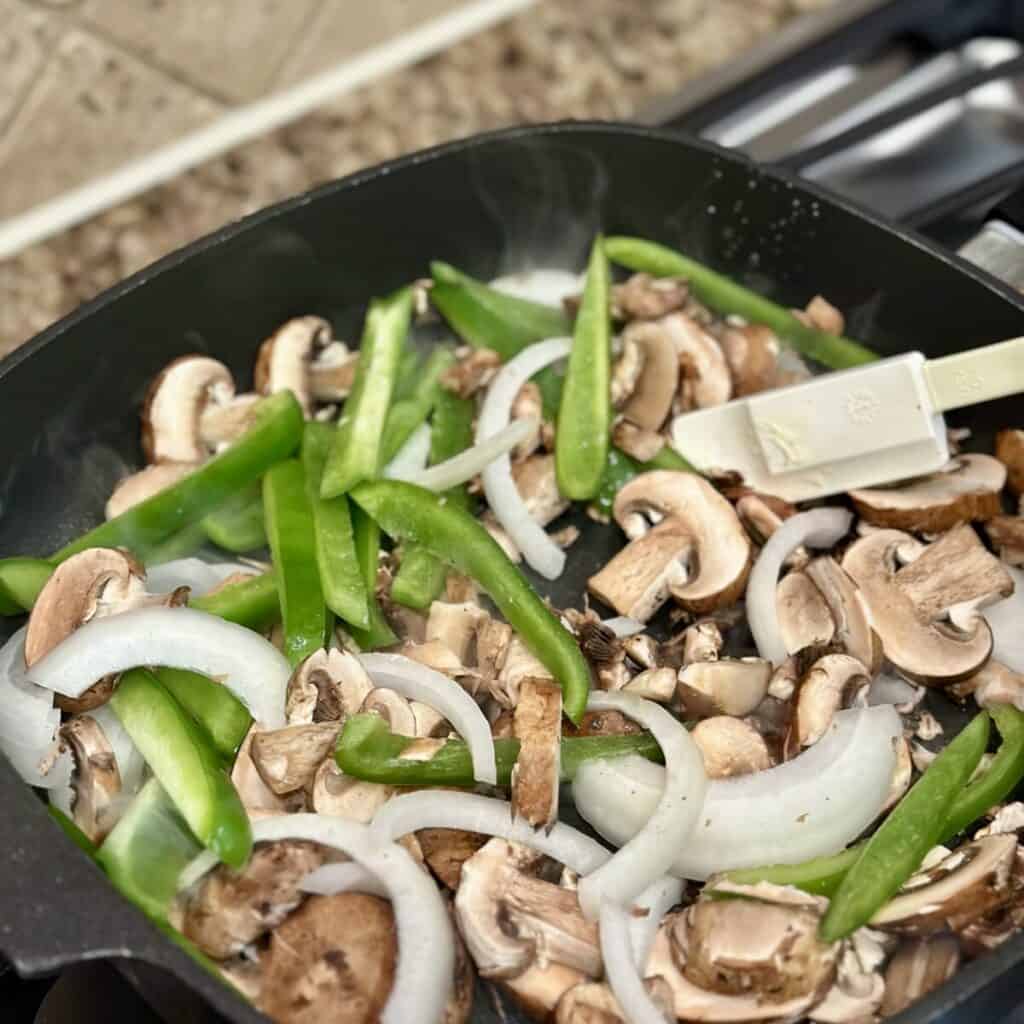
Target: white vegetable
650, 851
811, 806
131, 765
819, 528
425, 966
546, 285
418, 682
441, 808
1004, 619
248, 665
191, 572
348, 876
464, 466
657, 899
621, 969
886, 689
539, 550
412, 457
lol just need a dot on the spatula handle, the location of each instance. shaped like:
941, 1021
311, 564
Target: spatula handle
978, 375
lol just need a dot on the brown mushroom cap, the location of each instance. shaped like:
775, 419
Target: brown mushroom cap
96, 781
342, 796
657, 684
1010, 452
803, 614
637, 442
538, 487
590, 1003
730, 747
288, 758
833, 682
537, 724
142, 485
327, 687
752, 352
722, 550
965, 490
728, 686
850, 612
916, 968
445, 850
1007, 535
645, 297
650, 402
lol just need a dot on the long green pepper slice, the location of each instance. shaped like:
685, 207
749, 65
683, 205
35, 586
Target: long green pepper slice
729, 298
293, 546
341, 577
21, 579
185, 762
621, 468
221, 714
585, 414
406, 414
356, 449
238, 525
413, 515
366, 534
252, 603
913, 827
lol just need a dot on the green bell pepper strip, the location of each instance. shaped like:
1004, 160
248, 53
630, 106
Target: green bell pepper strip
420, 578
912, 828
366, 533
292, 539
406, 414
621, 468
212, 705
252, 603
183, 544
341, 577
183, 758
146, 851
21, 579
358, 439
413, 515
408, 374
585, 413
238, 525
367, 750
487, 318
727, 297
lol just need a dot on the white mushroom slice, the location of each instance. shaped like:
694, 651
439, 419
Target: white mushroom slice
640, 647
902, 774
640, 578
288, 758
1010, 452
590, 1002
651, 399
637, 442
995, 684
537, 724
804, 616
752, 352
134, 489
730, 747
966, 489
626, 372
1007, 535
702, 642
220, 423
918, 967
922, 649
492, 646
393, 708
657, 684
705, 379
96, 781
854, 996
644, 297
833, 682
328, 686
721, 547
339, 795
728, 686
535, 480
849, 611
520, 663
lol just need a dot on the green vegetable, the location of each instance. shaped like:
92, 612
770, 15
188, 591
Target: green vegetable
293, 546
821, 875
358, 440
408, 374
21, 579
420, 577
621, 468
237, 525
585, 415
341, 577
366, 534
183, 544
667, 458
252, 603
147, 850
413, 515
727, 297
367, 750
212, 705
409, 413
913, 827
185, 762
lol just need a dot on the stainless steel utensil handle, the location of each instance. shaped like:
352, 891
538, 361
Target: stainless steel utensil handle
999, 246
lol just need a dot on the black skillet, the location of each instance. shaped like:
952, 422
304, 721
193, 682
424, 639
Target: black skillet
489, 204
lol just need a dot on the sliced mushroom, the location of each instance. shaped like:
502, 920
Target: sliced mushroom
327, 687
626, 372
456, 626
967, 489
230, 909
855, 994
142, 485
643, 649
257, 797
730, 747
96, 782
850, 612
333, 959
342, 796
823, 315
520, 664
832, 683
528, 404
916, 968
537, 724
902, 774
535, 480
1010, 452
644, 297
657, 684
445, 850
1007, 536
640, 578
492, 645
995, 684
922, 649
288, 758
705, 379
702, 642
302, 356
803, 613
722, 549
602, 723
474, 370
963, 886
393, 708
637, 442
752, 352
650, 402
599, 644
728, 686
590, 1003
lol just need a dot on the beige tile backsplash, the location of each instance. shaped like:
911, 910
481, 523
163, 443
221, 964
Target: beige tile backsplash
86, 85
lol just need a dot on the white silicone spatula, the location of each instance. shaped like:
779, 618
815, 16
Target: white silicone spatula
854, 428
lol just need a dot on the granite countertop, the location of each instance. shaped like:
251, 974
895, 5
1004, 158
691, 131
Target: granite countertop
559, 59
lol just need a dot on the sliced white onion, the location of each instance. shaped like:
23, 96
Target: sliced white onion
621, 969
540, 551
412, 456
657, 900
1004, 619
191, 572
818, 528
425, 966
464, 466
348, 876
249, 666
547, 285
811, 806
418, 682
440, 808
886, 689
623, 626
650, 851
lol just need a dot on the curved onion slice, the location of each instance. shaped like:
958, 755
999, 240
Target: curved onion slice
887, 689
808, 807
464, 466
651, 849
348, 876
818, 528
623, 626
1004, 619
412, 456
250, 667
418, 682
441, 808
657, 899
426, 946
547, 285
540, 551
623, 972
194, 573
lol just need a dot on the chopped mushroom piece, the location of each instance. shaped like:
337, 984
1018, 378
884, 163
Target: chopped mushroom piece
537, 724
520, 664
96, 781
590, 1003
134, 489
650, 401
832, 683
730, 747
704, 379
657, 684
228, 909
473, 371
445, 850
822, 314
258, 799
393, 708
702, 642
528, 403
288, 758
752, 352
728, 686
626, 372
995, 684
803, 613
340, 795
492, 645
643, 649
902, 774
916, 968
850, 612
1007, 535
1010, 452
327, 687
644, 297
857, 991
966, 489
602, 723
456, 626
637, 442
538, 487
